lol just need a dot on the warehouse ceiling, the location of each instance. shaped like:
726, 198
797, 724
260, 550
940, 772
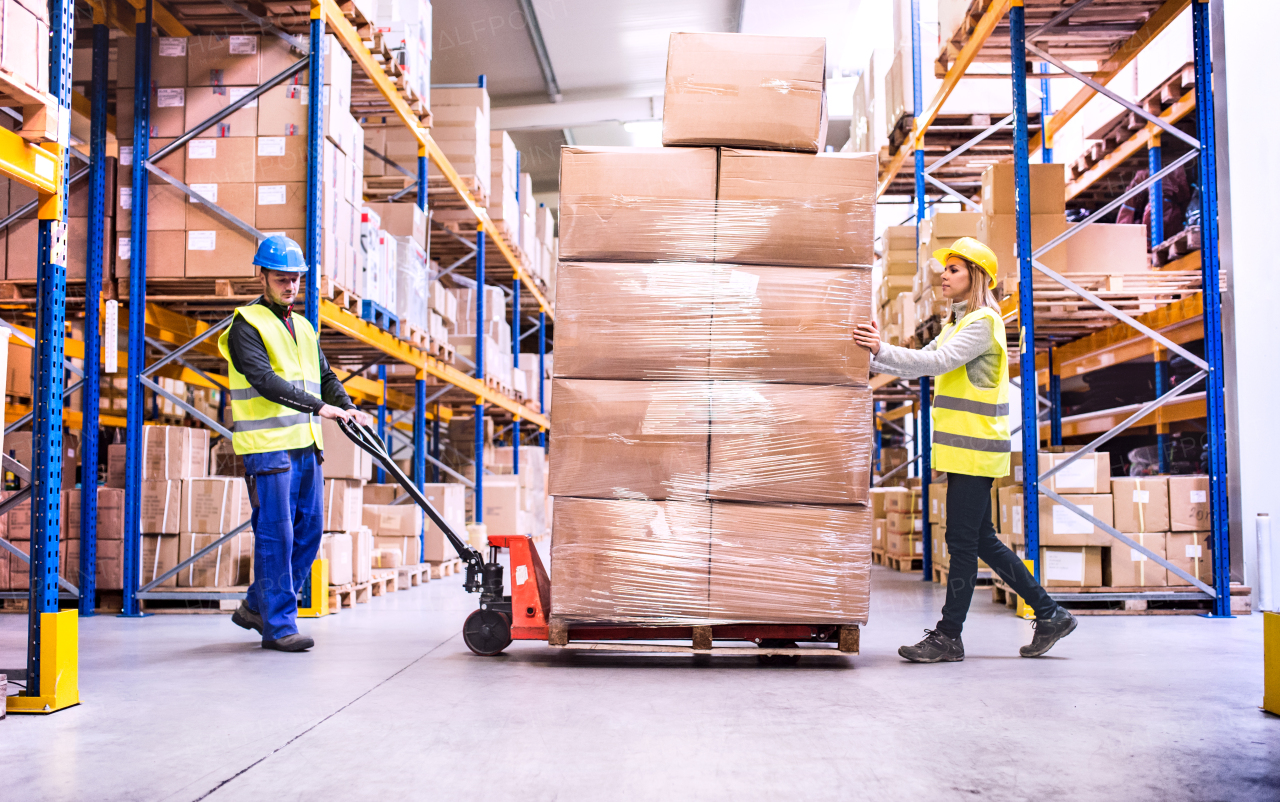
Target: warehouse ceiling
607, 61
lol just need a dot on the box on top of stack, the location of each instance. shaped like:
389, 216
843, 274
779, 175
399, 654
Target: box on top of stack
711, 448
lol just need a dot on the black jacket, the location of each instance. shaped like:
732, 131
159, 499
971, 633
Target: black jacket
249, 356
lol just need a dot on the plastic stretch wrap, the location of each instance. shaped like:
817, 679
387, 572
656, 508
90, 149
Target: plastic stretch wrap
682, 563
739, 441
411, 283
672, 321
717, 205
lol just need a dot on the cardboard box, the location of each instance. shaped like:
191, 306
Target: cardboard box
281, 159
1189, 504
110, 513
629, 438
221, 161
283, 111
789, 564
237, 199
905, 523
229, 565
116, 456
336, 547
938, 503
343, 505
343, 459
796, 209
1108, 248
362, 554
1141, 503
631, 561
282, 206
205, 101
1011, 514
168, 61
750, 91
504, 510
450, 500
386, 557
174, 452
221, 60
408, 548
1000, 233
1071, 567
382, 494
214, 504
790, 443
876, 500
1048, 189
159, 554
1088, 474
161, 507
902, 544
168, 112
878, 533
659, 204
901, 499
1129, 568
166, 254
402, 220
1189, 551
392, 520
1060, 526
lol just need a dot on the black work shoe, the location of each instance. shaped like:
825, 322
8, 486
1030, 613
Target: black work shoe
289, 643
1048, 632
245, 618
935, 648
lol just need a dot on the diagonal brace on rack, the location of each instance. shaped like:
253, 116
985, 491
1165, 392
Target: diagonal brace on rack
1005, 123
22, 555
163, 348
194, 557
266, 25
213, 207
963, 199
896, 470
187, 346
455, 266
218, 428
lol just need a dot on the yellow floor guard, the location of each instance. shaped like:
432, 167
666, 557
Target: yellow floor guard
59, 666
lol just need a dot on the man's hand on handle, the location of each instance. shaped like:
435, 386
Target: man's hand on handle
350, 415
868, 336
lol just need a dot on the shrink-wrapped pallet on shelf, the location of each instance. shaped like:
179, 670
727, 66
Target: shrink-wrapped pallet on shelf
411, 285
710, 454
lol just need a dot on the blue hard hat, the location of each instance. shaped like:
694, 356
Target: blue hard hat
278, 252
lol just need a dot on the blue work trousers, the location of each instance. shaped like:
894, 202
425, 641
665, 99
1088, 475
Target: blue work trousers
286, 488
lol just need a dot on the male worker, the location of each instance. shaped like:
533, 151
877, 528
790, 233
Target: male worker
276, 371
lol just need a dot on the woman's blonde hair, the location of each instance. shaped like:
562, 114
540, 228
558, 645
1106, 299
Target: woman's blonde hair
980, 294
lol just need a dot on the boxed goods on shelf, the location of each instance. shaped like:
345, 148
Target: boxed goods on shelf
750, 91
174, 452
504, 177
393, 520
214, 504
999, 232
1088, 474
1189, 503
1141, 504
1108, 248
407, 548
1127, 567
1071, 566
343, 459
159, 554
161, 506
460, 117
1189, 551
450, 501
336, 547
228, 565
1061, 526
343, 504
1048, 189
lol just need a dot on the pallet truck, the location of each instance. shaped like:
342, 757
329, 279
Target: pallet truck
525, 614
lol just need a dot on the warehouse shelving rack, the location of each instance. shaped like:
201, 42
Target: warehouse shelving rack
1168, 327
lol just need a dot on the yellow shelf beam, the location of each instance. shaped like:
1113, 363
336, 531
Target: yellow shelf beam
1138, 142
161, 15
981, 32
341, 320
1107, 70
350, 39
33, 165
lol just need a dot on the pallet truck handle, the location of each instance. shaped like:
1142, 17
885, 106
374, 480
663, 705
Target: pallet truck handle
368, 441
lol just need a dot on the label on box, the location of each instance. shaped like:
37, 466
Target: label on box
1199, 496
1017, 520
1137, 556
126, 155
918, 525
271, 195
305, 96
1064, 566
1017, 474
202, 240
1142, 497
171, 98
1194, 552
202, 149
271, 146
237, 92
743, 281
126, 197
207, 191
173, 46
919, 547
1068, 522
124, 248
243, 45
1080, 474
934, 504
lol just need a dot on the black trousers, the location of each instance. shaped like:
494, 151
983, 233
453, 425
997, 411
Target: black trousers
970, 536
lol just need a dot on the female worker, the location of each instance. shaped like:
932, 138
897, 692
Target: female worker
970, 444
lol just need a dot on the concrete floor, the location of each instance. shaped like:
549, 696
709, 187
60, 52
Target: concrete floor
391, 705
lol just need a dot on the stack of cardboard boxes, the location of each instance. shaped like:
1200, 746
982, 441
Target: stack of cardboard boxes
405, 26
711, 445
348, 542
898, 317
498, 358
516, 503
904, 523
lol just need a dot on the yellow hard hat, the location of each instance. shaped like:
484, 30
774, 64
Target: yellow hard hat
971, 250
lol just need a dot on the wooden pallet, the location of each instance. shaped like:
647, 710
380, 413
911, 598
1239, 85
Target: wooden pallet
877, 556
385, 580
439, 570
448, 199
903, 563
410, 576
1176, 247
39, 108
1241, 601
941, 573
416, 336
338, 294
349, 595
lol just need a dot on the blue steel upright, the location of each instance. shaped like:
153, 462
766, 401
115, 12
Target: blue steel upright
542, 372
131, 562
1046, 110
1162, 384
1155, 163
1055, 402
1026, 305
515, 365
381, 472
877, 436
479, 416
435, 444
917, 100
92, 337
51, 313
315, 169
1214, 392
420, 384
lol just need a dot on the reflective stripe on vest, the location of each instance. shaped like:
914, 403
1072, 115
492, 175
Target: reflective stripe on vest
970, 423
262, 425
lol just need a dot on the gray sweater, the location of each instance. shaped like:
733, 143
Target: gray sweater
972, 347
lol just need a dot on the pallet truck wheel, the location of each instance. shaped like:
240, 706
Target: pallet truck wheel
778, 659
486, 632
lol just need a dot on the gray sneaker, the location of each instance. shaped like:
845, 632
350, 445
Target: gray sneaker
935, 648
289, 643
247, 619
1048, 632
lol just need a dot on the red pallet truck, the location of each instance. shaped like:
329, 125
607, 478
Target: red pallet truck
526, 613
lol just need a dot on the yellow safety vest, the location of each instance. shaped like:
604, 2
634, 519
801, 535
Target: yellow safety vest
262, 425
971, 424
